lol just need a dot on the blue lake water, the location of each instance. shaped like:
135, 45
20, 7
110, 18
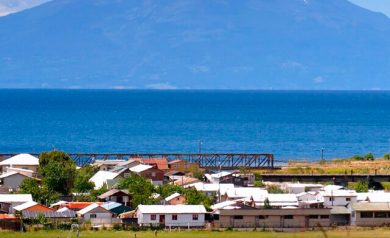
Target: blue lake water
289, 124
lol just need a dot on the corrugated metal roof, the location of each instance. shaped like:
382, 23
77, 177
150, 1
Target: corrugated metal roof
172, 196
49, 214
370, 206
140, 168
101, 177
25, 205
172, 209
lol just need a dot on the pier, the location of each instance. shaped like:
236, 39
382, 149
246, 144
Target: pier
205, 160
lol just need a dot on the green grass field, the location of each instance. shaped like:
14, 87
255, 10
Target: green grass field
378, 233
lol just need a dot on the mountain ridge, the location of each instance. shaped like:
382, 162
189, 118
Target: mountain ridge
216, 44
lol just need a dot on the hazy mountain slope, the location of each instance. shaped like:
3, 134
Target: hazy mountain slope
282, 44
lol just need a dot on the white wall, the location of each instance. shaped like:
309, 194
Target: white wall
13, 181
338, 201
183, 220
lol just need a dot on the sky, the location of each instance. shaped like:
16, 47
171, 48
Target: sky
11, 6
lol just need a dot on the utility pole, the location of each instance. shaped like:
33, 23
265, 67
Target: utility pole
322, 154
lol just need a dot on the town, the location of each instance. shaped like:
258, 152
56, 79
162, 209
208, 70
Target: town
51, 192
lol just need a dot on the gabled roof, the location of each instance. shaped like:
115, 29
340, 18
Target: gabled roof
10, 198
21, 159
8, 174
161, 163
78, 205
25, 205
172, 209
91, 208
101, 177
140, 168
172, 196
110, 193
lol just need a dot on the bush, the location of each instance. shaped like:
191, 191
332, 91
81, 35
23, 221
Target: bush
274, 189
117, 227
360, 187
386, 157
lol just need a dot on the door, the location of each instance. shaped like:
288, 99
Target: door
162, 219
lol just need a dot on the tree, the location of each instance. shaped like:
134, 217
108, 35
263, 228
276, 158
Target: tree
386, 157
58, 171
267, 204
194, 197
140, 189
274, 189
40, 193
369, 156
82, 183
360, 187
199, 174
168, 189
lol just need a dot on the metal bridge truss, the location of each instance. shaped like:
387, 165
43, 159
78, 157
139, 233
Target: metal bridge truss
205, 160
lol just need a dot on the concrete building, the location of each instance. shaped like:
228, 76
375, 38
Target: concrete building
97, 215
171, 215
369, 214
339, 197
273, 218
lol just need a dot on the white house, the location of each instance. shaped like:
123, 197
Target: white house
339, 197
171, 215
102, 178
258, 195
22, 161
297, 188
97, 215
12, 180
211, 189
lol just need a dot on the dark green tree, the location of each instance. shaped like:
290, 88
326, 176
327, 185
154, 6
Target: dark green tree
58, 171
141, 190
194, 197
40, 193
82, 183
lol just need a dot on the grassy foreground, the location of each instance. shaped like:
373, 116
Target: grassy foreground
378, 233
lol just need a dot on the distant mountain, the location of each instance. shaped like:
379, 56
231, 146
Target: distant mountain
247, 44
12, 6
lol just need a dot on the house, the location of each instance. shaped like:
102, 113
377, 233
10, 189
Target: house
105, 178
116, 208
297, 188
171, 215
32, 207
173, 175
220, 177
211, 189
12, 200
378, 197
248, 217
159, 163
175, 199
12, 180
185, 181
243, 179
256, 194
310, 200
22, 161
371, 214
116, 195
106, 165
183, 166
149, 172
97, 215
339, 197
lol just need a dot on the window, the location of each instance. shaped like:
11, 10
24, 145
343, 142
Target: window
92, 216
366, 214
380, 214
288, 217
153, 217
195, 217
237, 217
313, 217
262, 217
177, 165
153, 174
174, 217
331, 199
324, 216
348, 199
